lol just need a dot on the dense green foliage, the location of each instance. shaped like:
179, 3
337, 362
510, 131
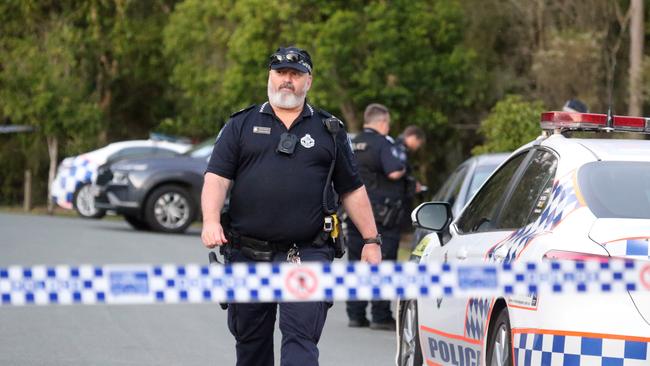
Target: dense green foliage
511, 123
90, 72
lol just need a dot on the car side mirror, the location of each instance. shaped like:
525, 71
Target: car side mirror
432, 216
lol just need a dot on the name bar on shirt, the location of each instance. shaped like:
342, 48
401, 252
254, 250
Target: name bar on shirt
310, 281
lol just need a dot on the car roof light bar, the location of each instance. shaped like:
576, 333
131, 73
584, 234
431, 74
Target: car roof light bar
593, 122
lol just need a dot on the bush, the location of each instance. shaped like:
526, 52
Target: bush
511, 123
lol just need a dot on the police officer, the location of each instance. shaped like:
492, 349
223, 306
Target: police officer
382, 172
407, 143
277, 157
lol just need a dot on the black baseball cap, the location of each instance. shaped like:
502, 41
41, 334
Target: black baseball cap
292, 58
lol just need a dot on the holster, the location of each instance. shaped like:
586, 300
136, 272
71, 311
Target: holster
324, 238
388, 213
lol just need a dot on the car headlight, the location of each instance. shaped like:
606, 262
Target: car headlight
121, 178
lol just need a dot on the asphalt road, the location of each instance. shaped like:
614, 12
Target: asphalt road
137, 334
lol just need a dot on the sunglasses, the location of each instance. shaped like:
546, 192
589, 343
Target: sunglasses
291, 57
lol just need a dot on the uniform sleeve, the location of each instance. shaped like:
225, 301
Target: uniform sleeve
390, 161
225, 155
346, 175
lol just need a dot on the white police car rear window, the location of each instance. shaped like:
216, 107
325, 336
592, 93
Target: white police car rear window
616, 189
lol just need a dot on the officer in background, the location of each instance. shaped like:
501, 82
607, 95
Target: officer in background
281, 158
410, 141
575, 106
382, 172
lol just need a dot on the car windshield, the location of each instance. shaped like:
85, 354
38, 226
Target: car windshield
481, 173
202, 150
616, 189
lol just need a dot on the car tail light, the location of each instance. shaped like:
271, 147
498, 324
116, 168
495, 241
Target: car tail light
575, 256
593, 121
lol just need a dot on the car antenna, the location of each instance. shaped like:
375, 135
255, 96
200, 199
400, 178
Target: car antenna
609, 126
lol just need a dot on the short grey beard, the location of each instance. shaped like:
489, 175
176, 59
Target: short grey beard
286, 100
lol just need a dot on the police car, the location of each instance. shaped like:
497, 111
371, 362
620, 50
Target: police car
458, 189
556, 198
72, 186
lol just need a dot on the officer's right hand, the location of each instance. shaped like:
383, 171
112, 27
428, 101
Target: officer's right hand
212, 235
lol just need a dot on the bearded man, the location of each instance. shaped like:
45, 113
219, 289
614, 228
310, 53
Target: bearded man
283, 166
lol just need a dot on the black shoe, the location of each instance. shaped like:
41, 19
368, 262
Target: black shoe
385, 325
358, 323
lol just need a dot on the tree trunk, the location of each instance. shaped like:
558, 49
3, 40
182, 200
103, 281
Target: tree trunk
27, 198
635, 108
53, 150
349, 117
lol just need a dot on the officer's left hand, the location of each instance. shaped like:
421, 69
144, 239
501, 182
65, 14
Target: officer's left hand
371, 253
212, 235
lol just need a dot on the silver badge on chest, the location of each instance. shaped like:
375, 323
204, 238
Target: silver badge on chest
307, 142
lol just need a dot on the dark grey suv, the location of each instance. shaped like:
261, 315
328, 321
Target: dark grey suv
159, 194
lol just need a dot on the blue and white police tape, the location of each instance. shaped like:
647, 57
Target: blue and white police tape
280, 282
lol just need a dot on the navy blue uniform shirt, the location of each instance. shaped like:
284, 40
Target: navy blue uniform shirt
377, 158
278, 197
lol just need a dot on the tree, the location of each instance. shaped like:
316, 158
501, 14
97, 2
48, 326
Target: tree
636, 58
512, 122
39, 88
407, 55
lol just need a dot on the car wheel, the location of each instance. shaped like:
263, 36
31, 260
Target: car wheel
170, 209
136, 222
409, 353
84, 203
499, 351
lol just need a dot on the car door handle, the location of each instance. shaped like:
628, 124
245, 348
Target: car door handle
461, 254
501, 253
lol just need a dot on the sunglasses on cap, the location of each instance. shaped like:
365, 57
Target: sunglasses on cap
290, 57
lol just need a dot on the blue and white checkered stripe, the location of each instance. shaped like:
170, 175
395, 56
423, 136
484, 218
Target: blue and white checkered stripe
261, 282
82, 171
476, 317
553, 349
630, 248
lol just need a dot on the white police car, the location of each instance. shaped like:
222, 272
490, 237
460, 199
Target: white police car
72, 186
554, 198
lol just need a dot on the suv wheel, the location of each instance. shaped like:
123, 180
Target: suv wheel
170, 209
499, 349
409, 353
136, 222
84, 203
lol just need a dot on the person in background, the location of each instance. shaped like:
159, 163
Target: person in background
410, 141
382, 172
576, 106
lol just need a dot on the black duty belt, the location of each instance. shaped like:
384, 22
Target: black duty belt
240, 240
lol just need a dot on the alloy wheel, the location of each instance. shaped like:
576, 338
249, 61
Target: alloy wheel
409, 335
501, 348
172, 210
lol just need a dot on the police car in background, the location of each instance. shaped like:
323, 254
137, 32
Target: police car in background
72, 186
556, 198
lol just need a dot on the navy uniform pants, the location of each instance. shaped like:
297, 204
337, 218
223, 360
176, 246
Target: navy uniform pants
380, 310
301, 323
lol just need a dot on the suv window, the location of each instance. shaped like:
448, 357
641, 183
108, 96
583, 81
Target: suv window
531, 193
130, 152
481, 214
452, 195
